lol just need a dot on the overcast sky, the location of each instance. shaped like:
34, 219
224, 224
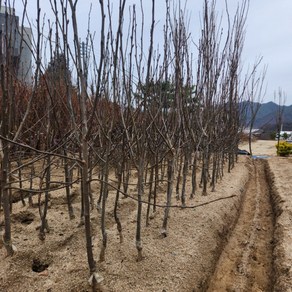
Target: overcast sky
269, 33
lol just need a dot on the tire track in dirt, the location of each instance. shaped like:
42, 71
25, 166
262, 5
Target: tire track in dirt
246, 263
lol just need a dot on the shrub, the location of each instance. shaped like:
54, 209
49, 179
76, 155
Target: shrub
285, 136
284, 148
273, 136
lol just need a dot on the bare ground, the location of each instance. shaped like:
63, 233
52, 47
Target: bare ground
251, 256
246, 263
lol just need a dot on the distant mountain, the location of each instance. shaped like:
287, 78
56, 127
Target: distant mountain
267, 115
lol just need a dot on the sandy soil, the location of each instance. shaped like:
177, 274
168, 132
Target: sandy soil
236, 229
282, 202
246, 261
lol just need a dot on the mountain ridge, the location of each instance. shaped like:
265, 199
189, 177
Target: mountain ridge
266, 117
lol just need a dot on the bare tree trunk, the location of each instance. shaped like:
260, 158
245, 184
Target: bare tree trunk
214, 172
163, 170
7, 241
31, 177
19, 164
194, 176
179, 177
205, 170
101, 178
140, 190
126, 176
184, 180
150, 194
5, 152
68, 181
103, 210
85, 188
116, 215
170, 177
156, 183
43, 210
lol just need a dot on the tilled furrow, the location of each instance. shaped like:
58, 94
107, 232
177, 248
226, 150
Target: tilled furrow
246, 262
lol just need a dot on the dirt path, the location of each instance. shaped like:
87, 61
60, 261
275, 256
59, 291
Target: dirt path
246, 262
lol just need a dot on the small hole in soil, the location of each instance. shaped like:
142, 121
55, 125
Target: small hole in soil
24, 217
27, 221
38, 266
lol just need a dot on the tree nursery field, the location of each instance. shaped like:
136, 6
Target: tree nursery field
120, 161
237, 238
